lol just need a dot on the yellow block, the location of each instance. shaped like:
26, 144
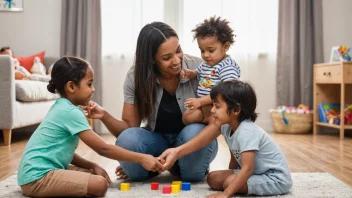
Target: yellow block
177, 183
175, 189
125, 186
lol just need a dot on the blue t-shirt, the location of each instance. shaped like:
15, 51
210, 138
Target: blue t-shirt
52, 145
249, 136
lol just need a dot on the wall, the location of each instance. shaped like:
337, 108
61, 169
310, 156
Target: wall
337, 29
35, 29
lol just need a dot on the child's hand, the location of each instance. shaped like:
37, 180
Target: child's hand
151, 163
185, 73
193, 103
168, 157
93, 110
100, 171
121, 173
219, 194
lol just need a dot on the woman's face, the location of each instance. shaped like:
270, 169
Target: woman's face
169, 57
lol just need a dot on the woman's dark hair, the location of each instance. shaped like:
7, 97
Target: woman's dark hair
238, 95
64, 70
149, 40
215, 26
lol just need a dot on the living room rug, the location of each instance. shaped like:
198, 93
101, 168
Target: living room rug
304, 185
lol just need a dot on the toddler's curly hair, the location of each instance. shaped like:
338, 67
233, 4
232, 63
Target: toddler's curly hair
215, 26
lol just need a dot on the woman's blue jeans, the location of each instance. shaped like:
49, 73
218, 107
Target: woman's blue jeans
192, 167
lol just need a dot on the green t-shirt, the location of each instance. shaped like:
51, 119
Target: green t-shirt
52, 145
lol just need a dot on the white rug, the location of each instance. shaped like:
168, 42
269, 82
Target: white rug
304, 185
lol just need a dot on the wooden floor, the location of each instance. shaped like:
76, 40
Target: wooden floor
305, 153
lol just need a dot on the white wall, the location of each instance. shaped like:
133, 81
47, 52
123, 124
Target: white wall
337, 28
35, 29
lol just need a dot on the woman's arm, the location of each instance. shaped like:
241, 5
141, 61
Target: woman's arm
130, 117
117, 153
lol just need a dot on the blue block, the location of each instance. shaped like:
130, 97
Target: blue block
186, 186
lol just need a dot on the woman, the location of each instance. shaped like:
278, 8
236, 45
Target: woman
154, 93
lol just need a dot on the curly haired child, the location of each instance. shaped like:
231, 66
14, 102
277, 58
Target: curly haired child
214, 37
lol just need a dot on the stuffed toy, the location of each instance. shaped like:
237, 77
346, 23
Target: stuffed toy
19, 68
38, 67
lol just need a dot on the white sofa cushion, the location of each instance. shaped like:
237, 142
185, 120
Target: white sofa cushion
30, 91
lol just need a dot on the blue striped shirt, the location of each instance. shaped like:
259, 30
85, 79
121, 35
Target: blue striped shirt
227, 69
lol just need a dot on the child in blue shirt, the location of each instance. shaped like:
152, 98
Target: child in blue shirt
49, 166
214, 37
257, 166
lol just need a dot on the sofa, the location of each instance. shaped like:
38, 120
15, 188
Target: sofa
22, 102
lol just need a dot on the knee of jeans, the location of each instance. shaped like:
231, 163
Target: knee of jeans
128, 138
193, 176
189, 132
135, 171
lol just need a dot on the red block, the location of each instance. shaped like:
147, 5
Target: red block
166, 189
154, 186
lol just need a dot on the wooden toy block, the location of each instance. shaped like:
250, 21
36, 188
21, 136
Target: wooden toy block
154, 186
186, 186
177, 183
166, 189
125, 186
175, 189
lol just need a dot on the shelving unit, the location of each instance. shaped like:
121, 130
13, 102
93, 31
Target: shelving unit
332, 84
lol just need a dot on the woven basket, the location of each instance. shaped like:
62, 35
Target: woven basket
297, 123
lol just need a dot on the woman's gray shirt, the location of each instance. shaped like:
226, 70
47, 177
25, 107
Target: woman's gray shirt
186, 89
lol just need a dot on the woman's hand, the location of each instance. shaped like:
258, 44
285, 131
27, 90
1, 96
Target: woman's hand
121, 173
100, 171
151, 163
170, 156
93, 110
218, 195
193, 103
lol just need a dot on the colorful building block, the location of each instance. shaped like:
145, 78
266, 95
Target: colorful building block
186, 186
166, 189
176, 183
175, 189
125, 186
154, 186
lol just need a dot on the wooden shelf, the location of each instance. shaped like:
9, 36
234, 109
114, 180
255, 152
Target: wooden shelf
332, 84
328, 125
333, 125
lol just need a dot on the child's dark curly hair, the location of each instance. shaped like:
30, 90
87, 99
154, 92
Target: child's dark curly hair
215, 26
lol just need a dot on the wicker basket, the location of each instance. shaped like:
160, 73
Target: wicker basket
297, 123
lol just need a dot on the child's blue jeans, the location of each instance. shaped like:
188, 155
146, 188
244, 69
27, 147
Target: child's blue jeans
193, 167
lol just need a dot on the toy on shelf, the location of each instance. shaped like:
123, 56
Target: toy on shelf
348, 115
330, 113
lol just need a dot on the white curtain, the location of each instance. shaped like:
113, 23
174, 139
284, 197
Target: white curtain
254, 22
